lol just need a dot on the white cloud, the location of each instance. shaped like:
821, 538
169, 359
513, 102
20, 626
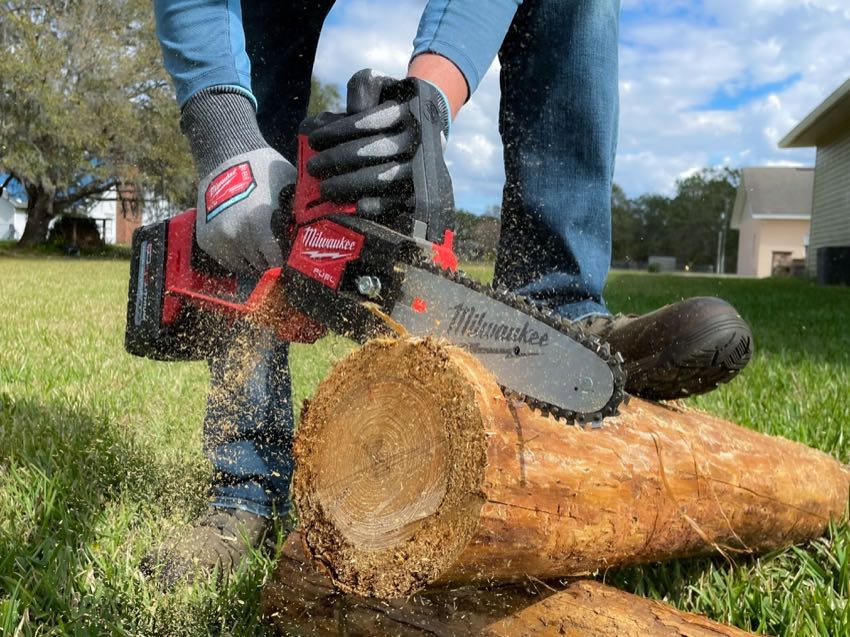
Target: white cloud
477, 149
732, 47
367, 33
671, 66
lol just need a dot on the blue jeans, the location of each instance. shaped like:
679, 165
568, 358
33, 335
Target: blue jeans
558, 123
249, 421
249, 424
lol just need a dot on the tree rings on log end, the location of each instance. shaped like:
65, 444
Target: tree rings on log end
390, 461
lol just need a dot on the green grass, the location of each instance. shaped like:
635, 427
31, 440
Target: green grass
52, 250
100, 457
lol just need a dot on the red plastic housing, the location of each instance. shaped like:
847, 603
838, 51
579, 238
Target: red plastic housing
320, 249
265, 305
307, 205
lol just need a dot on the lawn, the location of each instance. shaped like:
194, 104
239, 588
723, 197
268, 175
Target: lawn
100, 457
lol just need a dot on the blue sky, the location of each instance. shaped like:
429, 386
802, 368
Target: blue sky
713, 82
732, 98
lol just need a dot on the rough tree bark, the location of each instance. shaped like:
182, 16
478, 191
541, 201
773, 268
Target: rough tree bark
413, 469
300, 601
40, 210
44, 203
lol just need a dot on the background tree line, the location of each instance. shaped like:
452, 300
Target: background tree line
685, 225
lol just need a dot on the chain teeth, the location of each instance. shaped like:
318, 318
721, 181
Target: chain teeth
570, 328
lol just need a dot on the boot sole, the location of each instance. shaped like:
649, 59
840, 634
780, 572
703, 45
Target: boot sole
698, 362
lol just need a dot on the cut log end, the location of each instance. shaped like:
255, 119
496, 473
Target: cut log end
390, 461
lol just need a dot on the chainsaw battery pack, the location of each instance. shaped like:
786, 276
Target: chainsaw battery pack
160, 326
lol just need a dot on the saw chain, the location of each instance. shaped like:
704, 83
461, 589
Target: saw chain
614, 360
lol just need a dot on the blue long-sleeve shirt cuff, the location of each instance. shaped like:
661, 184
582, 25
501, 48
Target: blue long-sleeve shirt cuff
467, 32
203, 45
203, 41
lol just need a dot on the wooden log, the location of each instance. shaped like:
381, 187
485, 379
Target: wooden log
297, 600
413, 469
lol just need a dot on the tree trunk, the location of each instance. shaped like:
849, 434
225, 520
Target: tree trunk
413, 469
298, 600
40, 211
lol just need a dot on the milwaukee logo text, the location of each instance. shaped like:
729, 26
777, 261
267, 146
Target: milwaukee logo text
325, 247
469, 322
322, 250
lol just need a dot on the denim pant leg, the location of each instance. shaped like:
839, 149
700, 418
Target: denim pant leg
249, 421
281, 38
558, 123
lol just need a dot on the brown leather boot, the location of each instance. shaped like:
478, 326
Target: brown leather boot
682, 349
219, 541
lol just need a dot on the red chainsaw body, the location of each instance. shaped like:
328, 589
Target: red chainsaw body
320, 248
320, 251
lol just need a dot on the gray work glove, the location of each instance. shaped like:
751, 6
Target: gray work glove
241, 177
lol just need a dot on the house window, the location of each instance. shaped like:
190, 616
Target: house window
104, 229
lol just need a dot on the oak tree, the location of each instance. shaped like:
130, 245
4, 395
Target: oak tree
85, 105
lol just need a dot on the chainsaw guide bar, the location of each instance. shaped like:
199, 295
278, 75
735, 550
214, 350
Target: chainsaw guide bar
538, 357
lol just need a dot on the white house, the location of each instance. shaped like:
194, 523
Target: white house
118, 212
13, 217
116, 216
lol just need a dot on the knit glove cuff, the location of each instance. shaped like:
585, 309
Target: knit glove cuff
220, 123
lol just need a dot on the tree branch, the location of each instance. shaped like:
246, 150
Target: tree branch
85, 191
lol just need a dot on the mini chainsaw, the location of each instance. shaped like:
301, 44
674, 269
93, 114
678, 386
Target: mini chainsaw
363, 277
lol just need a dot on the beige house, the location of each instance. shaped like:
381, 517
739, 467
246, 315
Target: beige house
828, 128
772, 212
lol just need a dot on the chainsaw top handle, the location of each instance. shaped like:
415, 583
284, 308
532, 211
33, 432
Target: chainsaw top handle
432, 212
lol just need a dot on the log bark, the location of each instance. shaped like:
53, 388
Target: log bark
300, 601
414, 469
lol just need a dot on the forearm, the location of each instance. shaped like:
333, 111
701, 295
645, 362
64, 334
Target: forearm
457, 41
443, 73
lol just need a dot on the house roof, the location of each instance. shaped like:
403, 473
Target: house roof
774, 192
827, 122
17, 202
